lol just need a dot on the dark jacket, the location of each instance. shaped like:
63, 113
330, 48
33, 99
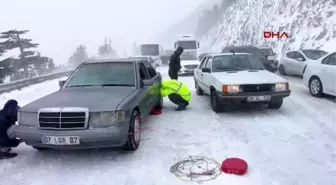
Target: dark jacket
175, 61
8, 117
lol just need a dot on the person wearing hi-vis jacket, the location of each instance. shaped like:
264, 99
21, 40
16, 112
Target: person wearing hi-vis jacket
177, 92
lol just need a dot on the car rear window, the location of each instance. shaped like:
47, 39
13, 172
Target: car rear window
314, 54
236, 63
103, 74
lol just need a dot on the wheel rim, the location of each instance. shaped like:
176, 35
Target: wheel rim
315, 86
137, 130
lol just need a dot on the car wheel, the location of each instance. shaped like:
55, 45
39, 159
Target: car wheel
133, 140
215, 104
40, 148
315, 87
282, 70
275, 104
199, 91
159, 105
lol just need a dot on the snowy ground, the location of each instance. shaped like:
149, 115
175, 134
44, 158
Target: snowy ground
291, 146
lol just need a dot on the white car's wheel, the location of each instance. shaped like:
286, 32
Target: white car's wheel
282, 70
133, 141
275, 104
315, 87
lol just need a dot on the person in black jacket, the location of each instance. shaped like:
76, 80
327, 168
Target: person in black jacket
8, 117
175, 63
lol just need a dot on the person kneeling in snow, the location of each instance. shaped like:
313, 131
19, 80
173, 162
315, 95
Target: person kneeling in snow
8, 117
177, 92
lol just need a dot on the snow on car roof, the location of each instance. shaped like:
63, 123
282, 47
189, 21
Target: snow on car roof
223, 54
111, 60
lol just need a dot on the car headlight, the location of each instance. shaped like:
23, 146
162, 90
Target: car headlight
106, 119
231, 88
281, 87
27, 118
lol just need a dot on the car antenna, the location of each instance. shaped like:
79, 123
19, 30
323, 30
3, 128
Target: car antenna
232, 52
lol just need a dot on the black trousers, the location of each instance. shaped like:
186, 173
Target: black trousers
173, 75
178, 100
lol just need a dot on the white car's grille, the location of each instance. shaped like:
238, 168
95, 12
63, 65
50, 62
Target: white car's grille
257, 87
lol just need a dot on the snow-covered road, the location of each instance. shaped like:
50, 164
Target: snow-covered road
295, 145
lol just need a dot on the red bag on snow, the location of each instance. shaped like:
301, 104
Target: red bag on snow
234, 166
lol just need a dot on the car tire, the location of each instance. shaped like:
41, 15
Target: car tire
315, 87
133, 140
199, 91
40, 148
282, 70
215, 103
159, 105
275, 104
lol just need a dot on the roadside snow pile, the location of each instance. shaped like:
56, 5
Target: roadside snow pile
309, 23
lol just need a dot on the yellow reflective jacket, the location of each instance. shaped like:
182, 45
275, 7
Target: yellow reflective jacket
173, 86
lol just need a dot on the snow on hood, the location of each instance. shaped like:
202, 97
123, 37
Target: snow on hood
189, 62
246, 77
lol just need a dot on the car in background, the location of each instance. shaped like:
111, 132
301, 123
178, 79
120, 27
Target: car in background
238, 78
320, 76
295, 62
269, 54
151, 60
100, 105
270, 65
201, 56
189, 63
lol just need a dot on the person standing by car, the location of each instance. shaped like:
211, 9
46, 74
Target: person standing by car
8, 117
175, 63
177, 92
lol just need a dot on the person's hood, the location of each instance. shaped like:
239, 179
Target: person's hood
11, 109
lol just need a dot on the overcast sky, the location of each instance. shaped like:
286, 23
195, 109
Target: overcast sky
60, 25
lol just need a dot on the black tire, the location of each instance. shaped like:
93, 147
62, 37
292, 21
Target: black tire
282, 70
315, 86
199, 91
132, 142
215, 103
275, 104
40, 148
159, 105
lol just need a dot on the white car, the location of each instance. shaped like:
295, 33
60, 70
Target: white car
320, 77
189, 63
238, 78
293, 62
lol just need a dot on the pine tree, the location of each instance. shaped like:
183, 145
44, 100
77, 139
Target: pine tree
13, 39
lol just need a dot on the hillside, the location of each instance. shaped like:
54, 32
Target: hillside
185, 26
310, 24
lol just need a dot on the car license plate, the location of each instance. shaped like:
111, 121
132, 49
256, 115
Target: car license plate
60, 140
258, 98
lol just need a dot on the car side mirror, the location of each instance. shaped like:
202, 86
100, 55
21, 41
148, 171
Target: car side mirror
300, 59
61, 83
206, 70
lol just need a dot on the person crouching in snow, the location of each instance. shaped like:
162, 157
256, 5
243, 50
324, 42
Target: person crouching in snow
8, 117
177, 92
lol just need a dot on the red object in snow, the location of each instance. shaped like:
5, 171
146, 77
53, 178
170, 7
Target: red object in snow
234, 166
156, 112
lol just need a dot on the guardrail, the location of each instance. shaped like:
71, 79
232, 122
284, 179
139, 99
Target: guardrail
17, 85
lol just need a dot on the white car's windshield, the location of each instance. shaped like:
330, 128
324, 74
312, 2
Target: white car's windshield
314, 54
236, 63
103, 74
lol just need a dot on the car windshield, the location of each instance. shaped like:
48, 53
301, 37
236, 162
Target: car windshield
188, 56
103, 74
236, 63
314, 54
267, 51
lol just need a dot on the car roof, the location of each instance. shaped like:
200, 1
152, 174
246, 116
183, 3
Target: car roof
226, 54
240, 47
114, 60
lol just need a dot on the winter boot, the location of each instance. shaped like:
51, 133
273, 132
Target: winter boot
181, 107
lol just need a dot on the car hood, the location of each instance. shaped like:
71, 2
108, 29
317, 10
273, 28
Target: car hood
246, 77
189, 62
95, 98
